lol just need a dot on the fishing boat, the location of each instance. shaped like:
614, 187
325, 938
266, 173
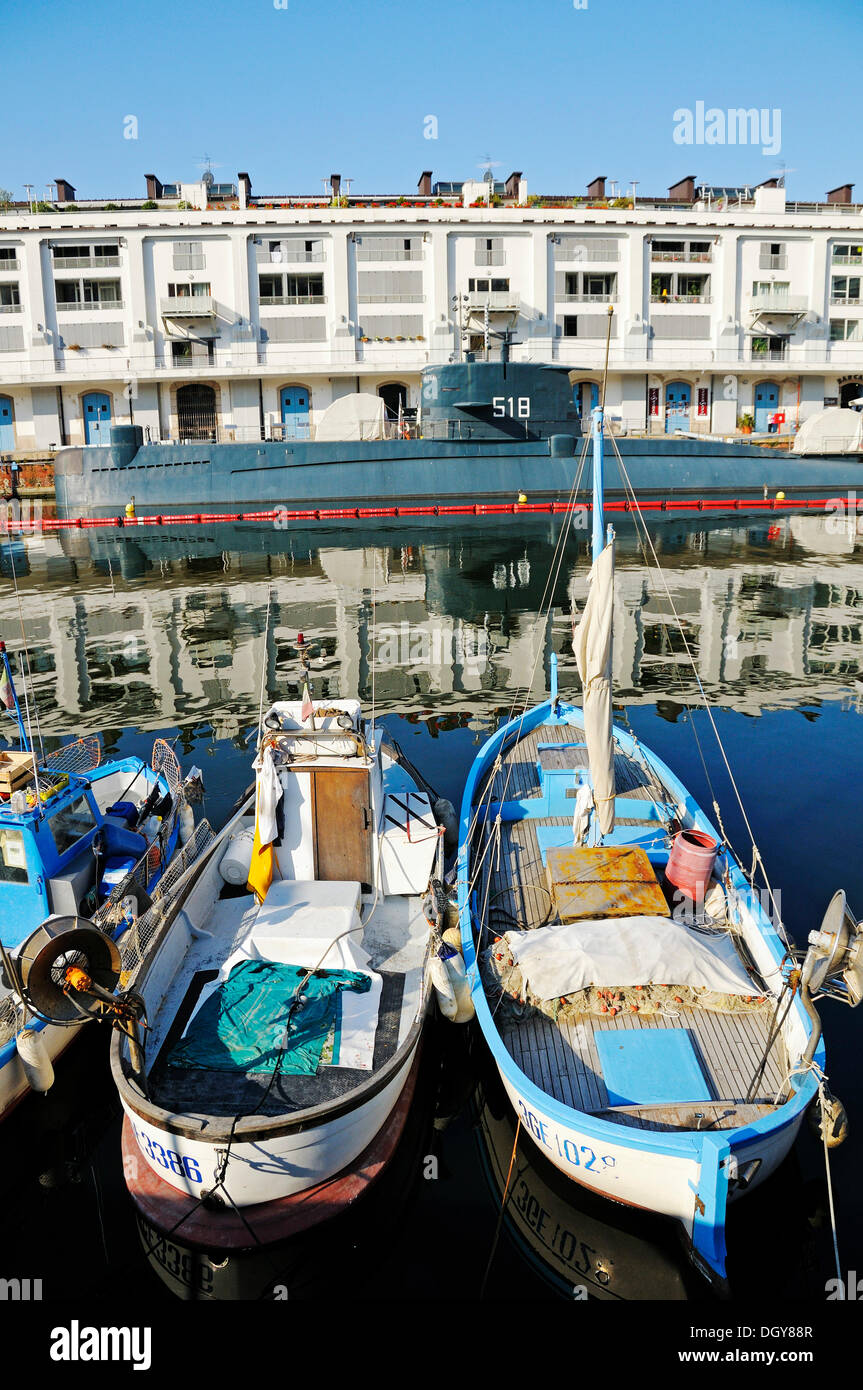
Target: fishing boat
79, 838
285, 994
653, 1027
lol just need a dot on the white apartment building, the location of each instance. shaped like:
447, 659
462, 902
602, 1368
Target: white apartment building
202, 312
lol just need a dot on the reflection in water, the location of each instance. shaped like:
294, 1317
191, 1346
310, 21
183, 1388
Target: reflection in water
164, 628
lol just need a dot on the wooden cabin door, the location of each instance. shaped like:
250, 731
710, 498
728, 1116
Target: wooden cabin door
343, 836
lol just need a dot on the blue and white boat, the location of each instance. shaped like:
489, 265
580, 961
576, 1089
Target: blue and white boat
660, 1049
78, 838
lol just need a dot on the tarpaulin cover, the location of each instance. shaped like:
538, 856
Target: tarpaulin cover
241, 1026
613, 952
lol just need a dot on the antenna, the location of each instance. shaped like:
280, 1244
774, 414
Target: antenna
487, 163
205, 163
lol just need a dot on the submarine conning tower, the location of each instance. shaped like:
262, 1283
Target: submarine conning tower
497, 400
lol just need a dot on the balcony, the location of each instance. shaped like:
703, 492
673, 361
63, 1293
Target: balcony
770, 262
779, 304
268, 299
840, 303
391, 299
773, 352
498, 301
72, 306
686, 256
835, 260
11, 308
681, 299
290, 256
587, 298
13, 264
85, 262
188, 306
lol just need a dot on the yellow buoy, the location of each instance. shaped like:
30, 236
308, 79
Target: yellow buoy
780, 497
522, 497
130, 506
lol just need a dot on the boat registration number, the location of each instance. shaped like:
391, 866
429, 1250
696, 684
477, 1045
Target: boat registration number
188, 1267
182, 1165
579, 1155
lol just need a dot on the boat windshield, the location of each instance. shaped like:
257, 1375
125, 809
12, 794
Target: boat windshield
70, 823
13, 861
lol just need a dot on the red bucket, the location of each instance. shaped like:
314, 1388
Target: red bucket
690, 863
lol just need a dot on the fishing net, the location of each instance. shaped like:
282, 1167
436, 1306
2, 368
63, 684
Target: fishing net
164, 761
81, 756
504, 986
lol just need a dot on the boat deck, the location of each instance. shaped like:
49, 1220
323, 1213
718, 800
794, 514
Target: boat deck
561, 1058
395, 940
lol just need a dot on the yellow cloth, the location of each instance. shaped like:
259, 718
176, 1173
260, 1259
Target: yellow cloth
261, 870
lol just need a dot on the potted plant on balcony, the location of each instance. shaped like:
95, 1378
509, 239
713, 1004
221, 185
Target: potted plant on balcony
746, 423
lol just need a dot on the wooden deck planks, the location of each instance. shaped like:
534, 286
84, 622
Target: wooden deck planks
562, 1059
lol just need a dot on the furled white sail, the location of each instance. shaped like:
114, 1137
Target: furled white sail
592, 643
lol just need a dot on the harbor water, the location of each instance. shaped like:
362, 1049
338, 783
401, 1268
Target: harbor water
443, 632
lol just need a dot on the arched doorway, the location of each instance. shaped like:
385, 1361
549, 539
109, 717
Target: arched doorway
395, 397
678, 397
7, 425
585, 398
294, 406
848, 392
96, 408
196, 412
766, 404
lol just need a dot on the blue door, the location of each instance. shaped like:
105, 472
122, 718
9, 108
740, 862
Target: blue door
677, 399
585, 395
766, 405
295, 412
7, 428
97, 418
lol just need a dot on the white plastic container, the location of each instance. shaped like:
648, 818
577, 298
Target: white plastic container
236, 862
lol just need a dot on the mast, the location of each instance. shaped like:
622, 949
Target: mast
25, 742
599, 537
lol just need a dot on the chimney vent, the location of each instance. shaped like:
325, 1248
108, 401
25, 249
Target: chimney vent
154, 188
842, 194
65, 191
424, 187
683, 191
596, 188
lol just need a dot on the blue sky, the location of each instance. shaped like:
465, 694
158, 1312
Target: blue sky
294, 93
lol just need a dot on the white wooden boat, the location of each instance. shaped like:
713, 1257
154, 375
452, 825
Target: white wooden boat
662, 1058
256, 1113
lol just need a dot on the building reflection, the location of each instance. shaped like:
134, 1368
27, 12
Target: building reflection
127, 628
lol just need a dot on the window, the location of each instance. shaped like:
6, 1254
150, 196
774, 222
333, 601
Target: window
304, 289
489, 251
770, 289
846, 254
8, 258
845, 287
71, 824
10, 297
845, 330
570, 325
101, 291
199, 290
270, 287
13, 861
189, 255
68, 292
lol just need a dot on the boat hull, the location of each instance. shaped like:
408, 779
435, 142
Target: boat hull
284, 1159
689, 1175
234, 478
